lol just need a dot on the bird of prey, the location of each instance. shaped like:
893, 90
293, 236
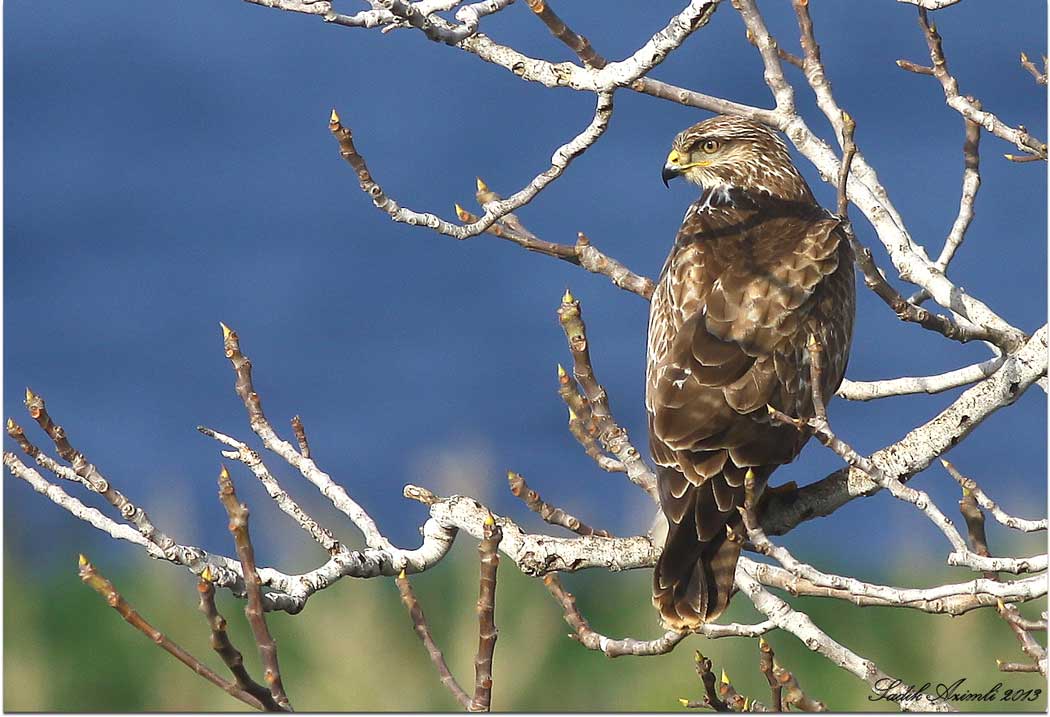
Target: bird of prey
756, 269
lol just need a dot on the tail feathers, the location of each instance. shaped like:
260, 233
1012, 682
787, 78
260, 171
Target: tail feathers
693, 581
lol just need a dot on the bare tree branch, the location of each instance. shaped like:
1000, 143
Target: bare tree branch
104, 587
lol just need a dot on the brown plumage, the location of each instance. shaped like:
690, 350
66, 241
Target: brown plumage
756, 268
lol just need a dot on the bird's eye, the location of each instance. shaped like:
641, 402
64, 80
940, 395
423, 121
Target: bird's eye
710, 146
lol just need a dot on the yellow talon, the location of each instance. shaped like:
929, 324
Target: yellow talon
82, 560
334, 119
482, 187
568, 298
226, 331
463, 214
725, 678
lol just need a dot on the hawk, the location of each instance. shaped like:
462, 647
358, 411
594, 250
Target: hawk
757, 267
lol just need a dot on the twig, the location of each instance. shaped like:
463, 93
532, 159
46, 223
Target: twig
1040, 77
581, 423
422, 628
238, 513
974, 519
970, 184
249, 457
1019, 136
908, 385
550, 514
91, 476
931, 4
582, 254
968, 484
784, 55
104, 587
300, 436
793, 695
231, 656
577, 43
874, 279
1035, 651
613, 437
800, 625
331, 490
707, 677
765, 666
488, 549
563, 156
613, 647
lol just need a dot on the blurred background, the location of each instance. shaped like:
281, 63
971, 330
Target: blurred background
168, 165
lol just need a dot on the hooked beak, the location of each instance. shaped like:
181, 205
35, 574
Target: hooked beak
672, 167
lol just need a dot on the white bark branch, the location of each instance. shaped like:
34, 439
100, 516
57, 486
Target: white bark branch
907, 385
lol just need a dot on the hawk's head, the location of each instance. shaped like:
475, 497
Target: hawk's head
726, 152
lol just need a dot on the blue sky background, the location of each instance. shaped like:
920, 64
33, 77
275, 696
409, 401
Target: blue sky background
168, 166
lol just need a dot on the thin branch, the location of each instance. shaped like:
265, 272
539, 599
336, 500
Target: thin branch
765, 666
549, 513
968, 484
231, 656
577, 43
582, 254
300, 436
563, 156
970, 184
91, 476
422, 629
249, 457
488, 550
931, 4
1031, 648
98, 582
612, 436
707, 677
1018, 136
331, 490
799, 579
909, 385
1040, 77
238, 513
801, 626
581, 423
613, 647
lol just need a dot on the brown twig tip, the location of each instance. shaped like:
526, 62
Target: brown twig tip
582, 239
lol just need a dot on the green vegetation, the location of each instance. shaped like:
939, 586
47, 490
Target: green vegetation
353, 647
